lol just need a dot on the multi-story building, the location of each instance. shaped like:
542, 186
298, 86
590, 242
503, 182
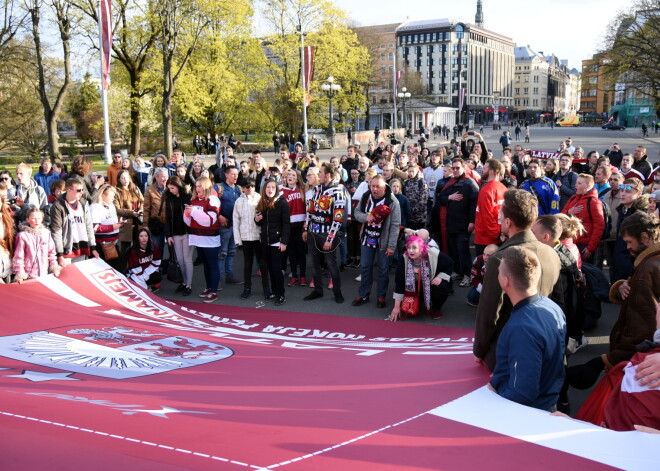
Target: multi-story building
530, 92
457, 64
596, 97
380, 40
544, 87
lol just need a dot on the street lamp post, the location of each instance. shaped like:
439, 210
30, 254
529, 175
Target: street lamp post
404, 94
331, 89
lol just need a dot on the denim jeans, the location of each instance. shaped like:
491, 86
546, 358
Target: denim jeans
473, 295
368, 256
227, 253
209, 256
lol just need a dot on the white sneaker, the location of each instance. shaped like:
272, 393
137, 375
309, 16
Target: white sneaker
358, 278
466, 282
575, 345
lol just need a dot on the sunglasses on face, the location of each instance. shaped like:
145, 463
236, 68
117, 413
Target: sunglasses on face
249, 186
5, 179
629, 188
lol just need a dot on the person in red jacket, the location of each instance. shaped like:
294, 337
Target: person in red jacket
491, 195
588, 209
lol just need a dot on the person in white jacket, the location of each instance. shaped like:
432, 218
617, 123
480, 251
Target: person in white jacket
247, 234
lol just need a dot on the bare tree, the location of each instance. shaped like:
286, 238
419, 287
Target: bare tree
136, 30
13, 18
61, 10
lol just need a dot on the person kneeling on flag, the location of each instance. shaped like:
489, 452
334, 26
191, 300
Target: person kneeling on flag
144, 262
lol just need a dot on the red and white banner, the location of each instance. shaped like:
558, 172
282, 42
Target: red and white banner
96, 373
105, 21
308, 71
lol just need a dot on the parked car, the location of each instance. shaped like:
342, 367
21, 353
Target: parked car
613, 127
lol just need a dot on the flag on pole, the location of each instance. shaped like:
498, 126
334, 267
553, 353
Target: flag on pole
308, 70
398, 79
461, 98
105, 19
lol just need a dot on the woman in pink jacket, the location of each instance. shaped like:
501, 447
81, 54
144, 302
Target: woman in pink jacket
34, 252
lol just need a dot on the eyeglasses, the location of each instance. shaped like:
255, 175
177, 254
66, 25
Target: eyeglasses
77, 190
456, 168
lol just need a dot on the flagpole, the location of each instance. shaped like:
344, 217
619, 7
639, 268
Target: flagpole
394, 87
302, 74
107, 145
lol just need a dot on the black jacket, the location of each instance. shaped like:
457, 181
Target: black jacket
276, 223
460, 213
174, 207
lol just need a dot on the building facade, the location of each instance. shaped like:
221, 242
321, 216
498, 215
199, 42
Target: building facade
596, 97
457, 64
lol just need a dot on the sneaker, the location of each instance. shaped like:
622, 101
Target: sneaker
360, 301
466, 282
281, 300
311, 284
271, 297
455, 276
330, 285
180, 288
358, 278
574, 345
303, 281
246, 293
339, 298
380, 303
187, 291
211, 298
293, 282
205, 293
470, 303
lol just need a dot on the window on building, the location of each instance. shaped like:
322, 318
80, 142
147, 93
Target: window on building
382, 69
464, 48
382, 46
460, 31
517, 91
526, 91
535, 91
454, 74
416, 38
536, 79
526, 79
464, 61
382, 57
455, 48
535, 102
433, 36
593, 80
593, 92
428, 37
454, 61
391, 68
391, 56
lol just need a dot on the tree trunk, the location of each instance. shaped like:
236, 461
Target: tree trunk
135, 121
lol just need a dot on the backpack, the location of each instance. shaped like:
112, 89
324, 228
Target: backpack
607, 214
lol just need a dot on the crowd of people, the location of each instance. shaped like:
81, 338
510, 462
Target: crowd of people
539, 228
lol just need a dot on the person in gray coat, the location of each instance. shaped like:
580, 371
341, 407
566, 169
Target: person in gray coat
380, 215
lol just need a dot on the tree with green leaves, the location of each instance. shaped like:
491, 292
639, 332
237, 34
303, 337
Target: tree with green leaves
631, 47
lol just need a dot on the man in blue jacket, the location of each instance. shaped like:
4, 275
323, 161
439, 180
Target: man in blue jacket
543, 188
530, 349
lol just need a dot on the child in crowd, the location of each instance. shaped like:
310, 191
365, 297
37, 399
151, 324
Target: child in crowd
477, 275
34, 252
144, 262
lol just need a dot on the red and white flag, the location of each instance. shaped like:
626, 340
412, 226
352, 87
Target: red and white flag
308, 70
398, 79
461, 99
105, 20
